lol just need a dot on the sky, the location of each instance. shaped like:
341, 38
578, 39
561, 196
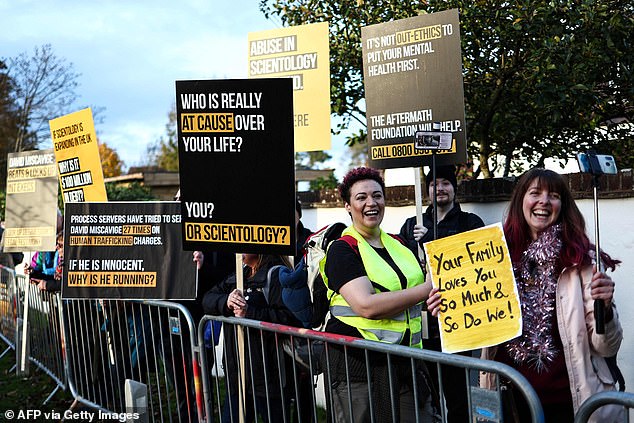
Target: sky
130, 53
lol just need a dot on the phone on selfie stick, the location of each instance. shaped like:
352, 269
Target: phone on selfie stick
597, 165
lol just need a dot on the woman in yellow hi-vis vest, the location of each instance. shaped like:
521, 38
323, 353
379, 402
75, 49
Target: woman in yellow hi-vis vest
376, 287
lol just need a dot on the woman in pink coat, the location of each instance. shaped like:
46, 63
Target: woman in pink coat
559, 351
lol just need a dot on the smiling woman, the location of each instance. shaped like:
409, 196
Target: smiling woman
559, 351
376, 286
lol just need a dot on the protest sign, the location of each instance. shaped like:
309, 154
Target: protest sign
480, 303
412, 72
302, 54
31, 202
237, 166
77, 154
126, 250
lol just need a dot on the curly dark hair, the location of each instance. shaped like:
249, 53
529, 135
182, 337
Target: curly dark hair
356, 175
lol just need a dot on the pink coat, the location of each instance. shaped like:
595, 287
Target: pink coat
584, 349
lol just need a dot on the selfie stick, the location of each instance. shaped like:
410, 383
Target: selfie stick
435, 128
599, 305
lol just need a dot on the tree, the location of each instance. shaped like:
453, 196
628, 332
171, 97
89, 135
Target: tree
310, 159
164, 152
8, 120
129, 192
542, 79
44, 89
110, 161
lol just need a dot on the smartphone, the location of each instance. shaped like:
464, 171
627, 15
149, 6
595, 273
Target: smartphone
596, 164
424, 140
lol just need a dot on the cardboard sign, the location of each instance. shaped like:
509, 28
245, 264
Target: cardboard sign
302, 54
412, 72
480, 303
126, 250
237, 168
77, 154
31, 205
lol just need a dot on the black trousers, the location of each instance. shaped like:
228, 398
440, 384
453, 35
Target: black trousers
454, 385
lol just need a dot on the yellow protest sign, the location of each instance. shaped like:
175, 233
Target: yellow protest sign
303, 54
480, 303
77, 156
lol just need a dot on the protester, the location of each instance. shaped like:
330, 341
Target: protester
260, 300
44, 263
376, 286
47, 270
559, 351
451, 220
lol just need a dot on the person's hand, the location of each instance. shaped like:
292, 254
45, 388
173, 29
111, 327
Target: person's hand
237, 303
240, 312
602, 287
27, 269
433, 302
199, 258
42, 285
419, 232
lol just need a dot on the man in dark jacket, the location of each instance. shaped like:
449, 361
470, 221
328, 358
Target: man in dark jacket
451, 220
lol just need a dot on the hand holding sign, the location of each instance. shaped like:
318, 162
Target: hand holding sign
478, 303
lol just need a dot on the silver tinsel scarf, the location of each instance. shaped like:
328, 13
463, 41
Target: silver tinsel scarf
536, 276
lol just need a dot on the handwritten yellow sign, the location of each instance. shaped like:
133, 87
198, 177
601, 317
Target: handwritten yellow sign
480, 304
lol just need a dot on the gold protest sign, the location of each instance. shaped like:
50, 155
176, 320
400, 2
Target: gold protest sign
301, 53
480, 303
77, 155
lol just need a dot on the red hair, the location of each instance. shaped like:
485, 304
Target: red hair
576, 245
356, 175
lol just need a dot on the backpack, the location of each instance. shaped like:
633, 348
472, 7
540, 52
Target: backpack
303, 289
305, 294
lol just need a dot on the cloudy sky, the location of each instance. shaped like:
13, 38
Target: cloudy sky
129, 53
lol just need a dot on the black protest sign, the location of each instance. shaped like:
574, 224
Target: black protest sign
236, 156
412, 75
31, 203
126, 250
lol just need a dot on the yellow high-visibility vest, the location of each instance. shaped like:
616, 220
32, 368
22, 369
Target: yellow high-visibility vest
391, 330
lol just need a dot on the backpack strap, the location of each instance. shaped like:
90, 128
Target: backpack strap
352, 242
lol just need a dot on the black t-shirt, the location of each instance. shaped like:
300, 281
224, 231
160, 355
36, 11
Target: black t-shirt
344, 264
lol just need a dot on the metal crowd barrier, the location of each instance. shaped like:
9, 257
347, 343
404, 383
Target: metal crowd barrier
10, 308
30, 325
294, 391
597, 401
42, 342
133, 357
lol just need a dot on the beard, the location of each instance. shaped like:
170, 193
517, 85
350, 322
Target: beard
444, 200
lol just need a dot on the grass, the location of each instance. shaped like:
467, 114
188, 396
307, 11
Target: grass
29, 392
